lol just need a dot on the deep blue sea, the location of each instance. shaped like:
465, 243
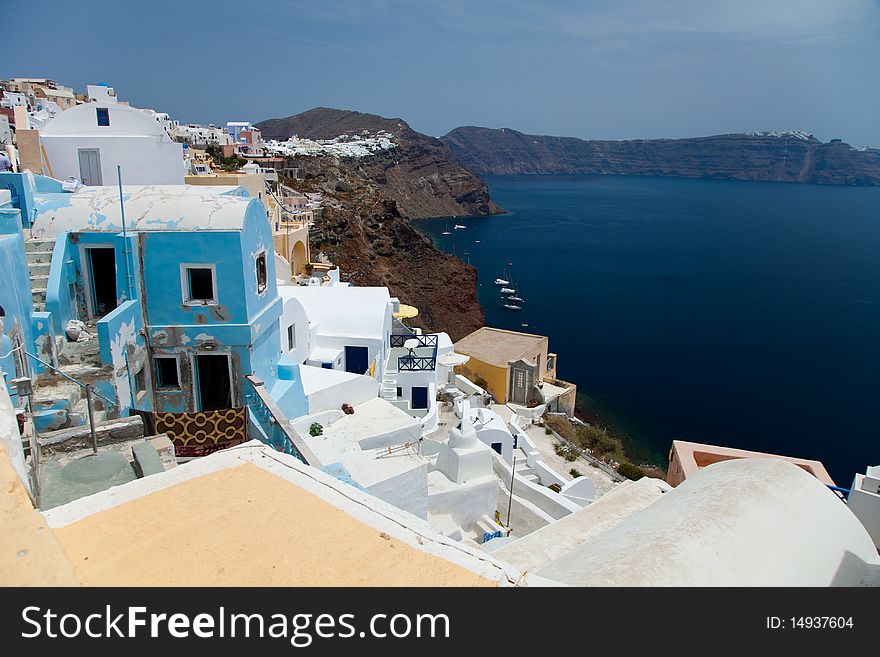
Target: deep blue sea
734, 313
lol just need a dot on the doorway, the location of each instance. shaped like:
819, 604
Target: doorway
90, 166
419, 397
102, 275
213, 382
356, 360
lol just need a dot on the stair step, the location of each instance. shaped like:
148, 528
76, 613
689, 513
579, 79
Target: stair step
39, 268
36, 244
36, 257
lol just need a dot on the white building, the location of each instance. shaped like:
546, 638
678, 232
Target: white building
88, 142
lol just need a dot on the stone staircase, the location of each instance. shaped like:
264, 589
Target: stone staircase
39, 257
59, 403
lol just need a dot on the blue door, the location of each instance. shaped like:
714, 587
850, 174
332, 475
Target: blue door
419, 397
356, 360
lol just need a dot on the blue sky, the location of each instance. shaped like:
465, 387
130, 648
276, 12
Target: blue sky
593, 69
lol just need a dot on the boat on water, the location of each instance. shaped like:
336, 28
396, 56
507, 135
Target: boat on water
508, 290
447, 231
457, 226
501, 281
515, 299
512, 306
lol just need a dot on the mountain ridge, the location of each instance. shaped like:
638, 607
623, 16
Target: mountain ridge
770, 156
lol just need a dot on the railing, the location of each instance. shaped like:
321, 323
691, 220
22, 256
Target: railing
274, 425
398, 340
70, 378
416, 363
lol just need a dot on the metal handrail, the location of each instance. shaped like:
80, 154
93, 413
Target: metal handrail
416, 363
81, 385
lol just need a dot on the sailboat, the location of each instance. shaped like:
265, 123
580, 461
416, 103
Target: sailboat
504, 278
512, 306
508, 290
515, 299
457, 226
446, 232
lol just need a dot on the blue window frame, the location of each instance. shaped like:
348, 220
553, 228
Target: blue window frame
103, 114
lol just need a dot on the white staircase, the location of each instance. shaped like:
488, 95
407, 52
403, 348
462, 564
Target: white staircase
389, 382
523, 469
39, 257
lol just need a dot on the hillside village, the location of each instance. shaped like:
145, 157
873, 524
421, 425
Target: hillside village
176, 351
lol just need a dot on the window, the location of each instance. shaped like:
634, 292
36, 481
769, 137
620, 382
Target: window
399, 392
198, 283
291, 338
140, 382
103, 114
520, 379
261, 272
167, 375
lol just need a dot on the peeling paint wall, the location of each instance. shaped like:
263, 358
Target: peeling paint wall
15, 293
61, 287
123, 346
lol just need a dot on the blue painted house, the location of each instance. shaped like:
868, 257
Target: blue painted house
184, 294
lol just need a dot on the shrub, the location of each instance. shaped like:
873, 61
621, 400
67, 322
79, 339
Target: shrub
575, 473
316, 429
548, 431
630, 471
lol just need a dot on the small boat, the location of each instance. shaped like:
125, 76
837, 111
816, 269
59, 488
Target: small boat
508, 290
512, 306
516, 299
476, 241
446, 232
457, 226
501, 281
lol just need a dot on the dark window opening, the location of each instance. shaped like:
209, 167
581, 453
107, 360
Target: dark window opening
291, 338
103, 116
167, 375
140, 381
201, 284
261, 272
212, 373
496, 447
399, 392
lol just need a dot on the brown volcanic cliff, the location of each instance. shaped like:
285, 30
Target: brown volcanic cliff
782, 157
421, 175
369, 202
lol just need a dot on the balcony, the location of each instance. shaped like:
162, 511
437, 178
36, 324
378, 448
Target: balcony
413, 353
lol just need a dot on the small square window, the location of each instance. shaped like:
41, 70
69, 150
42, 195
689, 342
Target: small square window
103, 116
399, 391
140, 381
167, 375
201, 284
291, 338
261, 272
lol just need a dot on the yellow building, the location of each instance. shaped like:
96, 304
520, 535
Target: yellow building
515, 368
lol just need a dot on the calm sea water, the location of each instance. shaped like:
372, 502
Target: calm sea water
734, 313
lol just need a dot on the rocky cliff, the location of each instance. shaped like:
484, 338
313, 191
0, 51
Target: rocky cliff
421, 174
369, 202
783, 157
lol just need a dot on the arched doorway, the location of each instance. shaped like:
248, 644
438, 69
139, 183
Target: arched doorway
298, 257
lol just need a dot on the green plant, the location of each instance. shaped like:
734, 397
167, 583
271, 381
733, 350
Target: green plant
316, 429
630, 471
548, 431
575, 473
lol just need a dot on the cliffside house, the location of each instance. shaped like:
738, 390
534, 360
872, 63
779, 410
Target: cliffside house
515, 368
